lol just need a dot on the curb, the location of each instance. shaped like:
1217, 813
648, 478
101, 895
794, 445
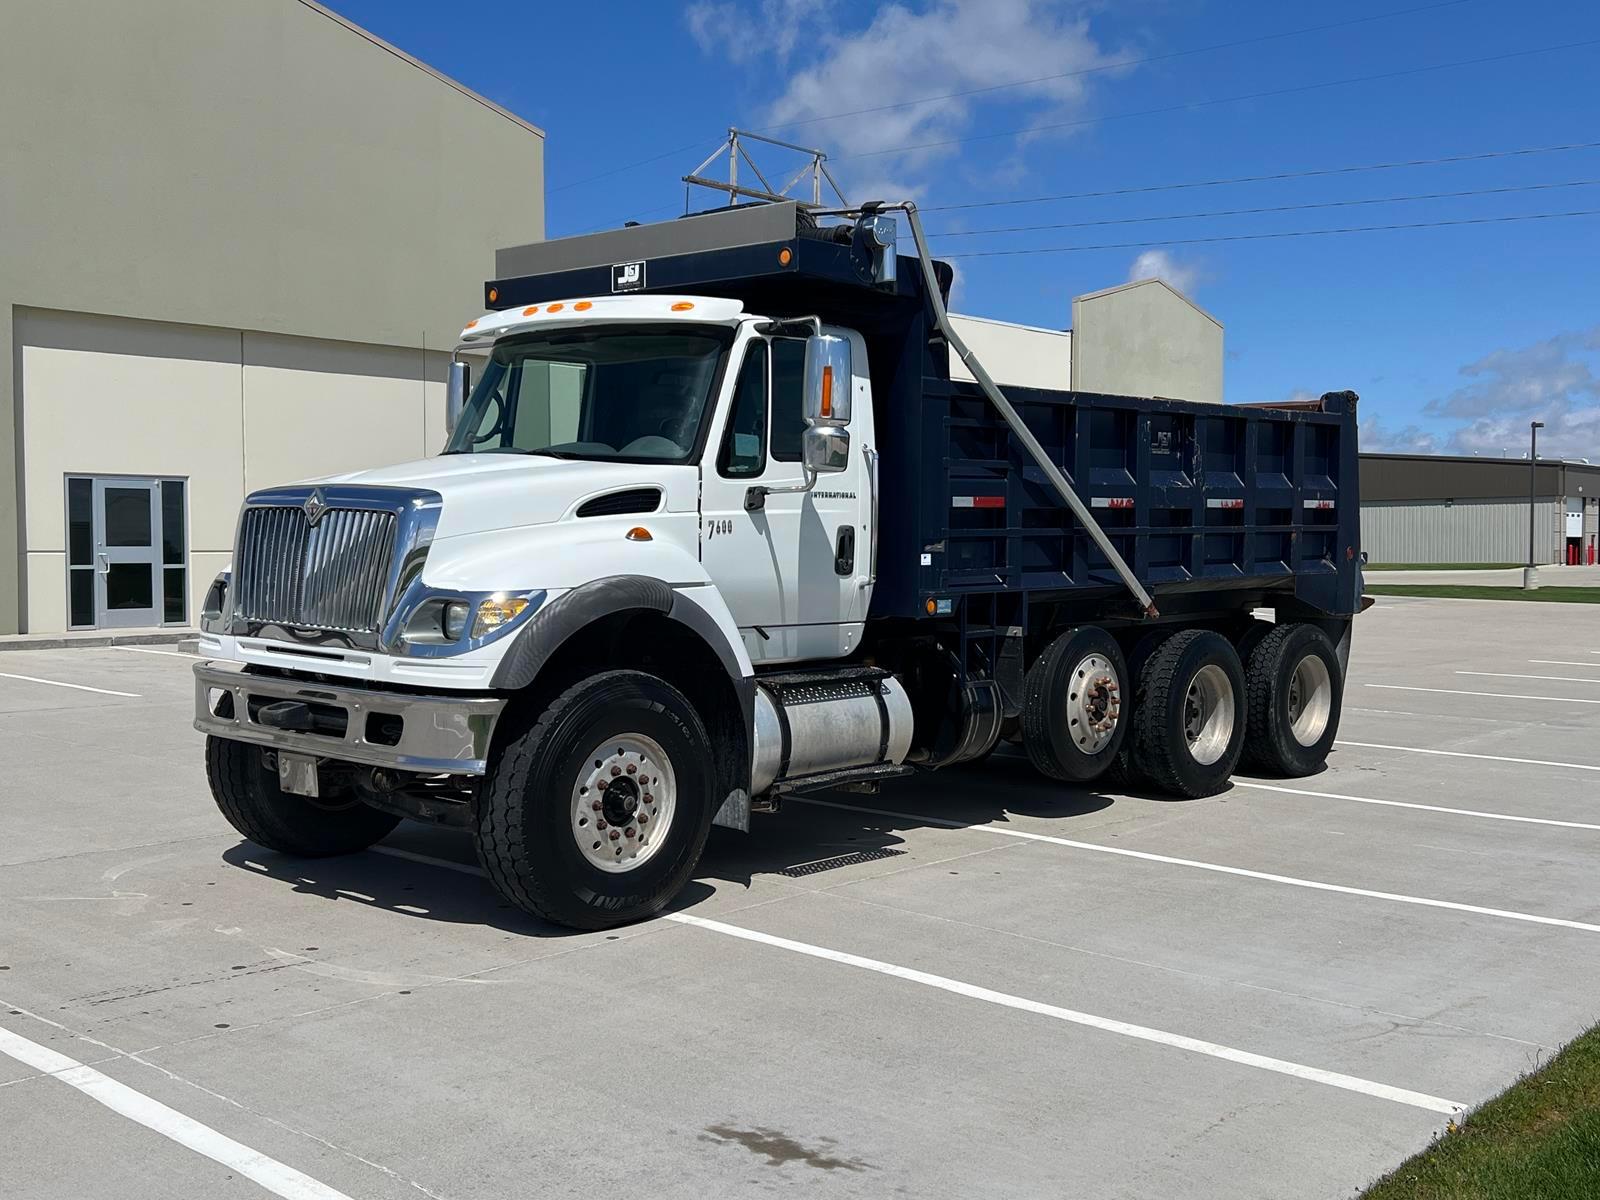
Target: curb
91, 641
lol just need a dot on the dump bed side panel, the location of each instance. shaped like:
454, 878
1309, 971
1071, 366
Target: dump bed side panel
1195, 497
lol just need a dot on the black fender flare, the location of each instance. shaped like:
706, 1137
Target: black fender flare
570, 612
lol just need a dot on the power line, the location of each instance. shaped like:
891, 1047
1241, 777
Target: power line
1258, 237
1280, 175
1277, 208
1193, 104
643, 162
1114, 66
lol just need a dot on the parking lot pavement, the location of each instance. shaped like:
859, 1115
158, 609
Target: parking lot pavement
974, 983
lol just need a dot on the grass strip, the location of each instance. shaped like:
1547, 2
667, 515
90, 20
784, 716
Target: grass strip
1442, 566
1537, 1140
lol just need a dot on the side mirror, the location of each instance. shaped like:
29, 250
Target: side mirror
825, 448
457, 384
827, 380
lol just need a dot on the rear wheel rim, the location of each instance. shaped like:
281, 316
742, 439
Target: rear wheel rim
1310, 699
1094, 703
623, 802
1208, 714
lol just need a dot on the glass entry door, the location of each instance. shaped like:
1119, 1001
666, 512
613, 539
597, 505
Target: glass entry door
127, 547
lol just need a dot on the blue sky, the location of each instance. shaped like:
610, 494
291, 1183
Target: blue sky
1455, 336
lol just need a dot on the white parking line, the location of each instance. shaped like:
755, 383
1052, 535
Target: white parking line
1526, 762
1400, 687
277, 1178
77, 687
1509, 675
1145, 855
1349, 1083
1438, 808
147, 650
1561, 662
1281, 1066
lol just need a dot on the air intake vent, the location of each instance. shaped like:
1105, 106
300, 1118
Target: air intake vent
615, 504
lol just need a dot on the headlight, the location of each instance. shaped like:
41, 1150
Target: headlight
495, 611
453, 622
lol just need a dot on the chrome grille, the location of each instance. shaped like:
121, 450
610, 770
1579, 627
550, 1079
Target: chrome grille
330, 575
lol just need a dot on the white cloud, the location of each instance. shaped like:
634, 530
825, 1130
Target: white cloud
746, 32
1409, 439
1158, 264
1553, 381
905, 54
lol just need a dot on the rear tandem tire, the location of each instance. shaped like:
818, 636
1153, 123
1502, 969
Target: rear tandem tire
617, 745
250, 798
1189, 715
1295, 690
1074, 706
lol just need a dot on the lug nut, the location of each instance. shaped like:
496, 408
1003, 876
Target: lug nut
632, 769
599, 824
649, 799
616, 770
596, 805
614, 835
644, 818
630, 831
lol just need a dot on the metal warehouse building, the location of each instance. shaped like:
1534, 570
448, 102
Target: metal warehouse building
239, 242
1420, 508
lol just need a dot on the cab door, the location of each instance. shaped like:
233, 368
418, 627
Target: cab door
793, 566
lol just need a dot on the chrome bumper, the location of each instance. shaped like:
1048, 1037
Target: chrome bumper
437, 733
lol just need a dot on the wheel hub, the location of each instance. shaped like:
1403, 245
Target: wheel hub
623, 802
1208, 714
1094, 703
1310, 699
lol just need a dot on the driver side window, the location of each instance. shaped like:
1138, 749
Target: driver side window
744, 447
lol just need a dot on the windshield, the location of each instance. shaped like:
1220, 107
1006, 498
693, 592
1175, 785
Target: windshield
633, 393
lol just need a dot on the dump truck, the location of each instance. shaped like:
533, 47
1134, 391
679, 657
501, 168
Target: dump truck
714, 525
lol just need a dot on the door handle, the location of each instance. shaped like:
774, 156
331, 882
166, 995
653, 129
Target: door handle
844, 555
105, 563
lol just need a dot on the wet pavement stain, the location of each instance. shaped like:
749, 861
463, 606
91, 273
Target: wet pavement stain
779, 1148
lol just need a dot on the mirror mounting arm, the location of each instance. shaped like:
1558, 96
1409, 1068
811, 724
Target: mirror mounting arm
755, 496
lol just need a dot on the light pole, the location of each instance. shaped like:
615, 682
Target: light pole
1530, 578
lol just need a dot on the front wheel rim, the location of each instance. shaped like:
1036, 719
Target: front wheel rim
623, 802
1208, 714
1310, 699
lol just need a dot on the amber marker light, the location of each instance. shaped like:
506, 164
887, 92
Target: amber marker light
827, 393
471, 324
530, 310
931, 606
583, 306
785, 257
638, 534
494, 294
682, 306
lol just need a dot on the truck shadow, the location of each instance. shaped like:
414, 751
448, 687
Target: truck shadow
431, 874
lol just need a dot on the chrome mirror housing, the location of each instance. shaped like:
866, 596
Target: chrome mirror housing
825, 449
457, 385
827, 380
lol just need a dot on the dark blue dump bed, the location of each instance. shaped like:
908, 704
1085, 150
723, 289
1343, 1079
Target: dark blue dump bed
1197, 498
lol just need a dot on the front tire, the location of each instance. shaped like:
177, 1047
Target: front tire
1189, 716
1295, 690
248, 794
596, 815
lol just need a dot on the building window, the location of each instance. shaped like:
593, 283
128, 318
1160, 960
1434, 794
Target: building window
127, 552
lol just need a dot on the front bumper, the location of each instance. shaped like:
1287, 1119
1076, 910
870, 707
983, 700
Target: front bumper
430, 734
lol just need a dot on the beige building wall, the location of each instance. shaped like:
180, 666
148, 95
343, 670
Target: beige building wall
1146, 339
208, 170
1014, 355
227, 411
